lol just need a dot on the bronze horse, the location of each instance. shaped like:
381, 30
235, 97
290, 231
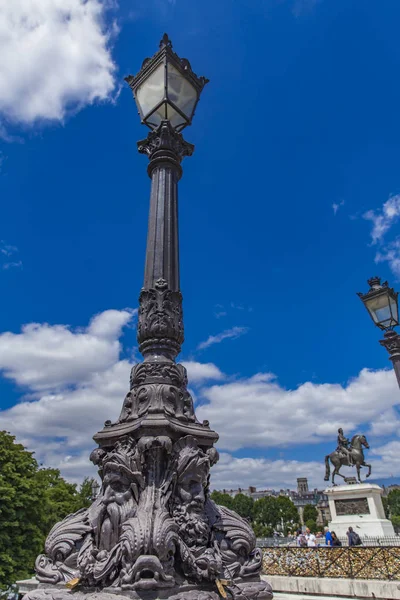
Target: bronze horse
338, 459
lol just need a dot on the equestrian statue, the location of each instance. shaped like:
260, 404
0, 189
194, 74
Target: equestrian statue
348, 454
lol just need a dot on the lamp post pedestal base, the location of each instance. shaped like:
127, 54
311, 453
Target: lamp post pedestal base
251, 590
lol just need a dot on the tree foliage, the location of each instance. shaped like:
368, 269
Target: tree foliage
266, 511
265, 514
312, 525
393, 501
32, 500
222, 499
262, 531
310, 513
386, 506
288, 513
271, 511
396, 522
22, 510
243, 505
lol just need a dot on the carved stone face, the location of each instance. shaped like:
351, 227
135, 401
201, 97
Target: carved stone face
191, 493
117, 486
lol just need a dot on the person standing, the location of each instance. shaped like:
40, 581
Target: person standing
301, 540
336, 543
328, 537
310, 537
353, 538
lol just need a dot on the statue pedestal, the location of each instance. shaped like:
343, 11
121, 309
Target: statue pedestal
358, 506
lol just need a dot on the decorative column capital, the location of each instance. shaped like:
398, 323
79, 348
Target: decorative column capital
165, 146
391, 342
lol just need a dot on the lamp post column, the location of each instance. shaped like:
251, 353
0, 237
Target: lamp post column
160, 324
391, 342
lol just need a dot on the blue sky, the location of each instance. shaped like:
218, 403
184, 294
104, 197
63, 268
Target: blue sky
289, 203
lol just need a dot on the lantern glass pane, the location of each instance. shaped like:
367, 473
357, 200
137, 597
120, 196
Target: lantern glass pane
174, 117
151, 91
157, 116
181, 92
394, 310
380, 309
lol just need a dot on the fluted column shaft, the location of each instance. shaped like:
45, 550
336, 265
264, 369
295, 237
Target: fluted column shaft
162, 254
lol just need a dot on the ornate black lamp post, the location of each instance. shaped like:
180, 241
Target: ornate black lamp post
381, 302
153, 526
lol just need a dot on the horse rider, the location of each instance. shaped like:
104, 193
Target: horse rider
343, 446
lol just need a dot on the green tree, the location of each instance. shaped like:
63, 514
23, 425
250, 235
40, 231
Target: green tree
310, 513
385, 506
266, 511
312, 525
396, 522
243, 505
84, 495
60, 497
262, 530
222, 499
393, 501
288, 513
32, 500
22, 510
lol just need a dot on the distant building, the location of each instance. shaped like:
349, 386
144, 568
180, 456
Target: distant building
302, 485
300, 498
251, 491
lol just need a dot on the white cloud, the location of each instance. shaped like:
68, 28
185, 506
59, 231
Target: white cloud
55, 56
7, 253
389, 463
231, 472
50, 357
391, 254
258, 412
336, 206
199, 372
72, 415
233, 333
383, 219
76, 380
12, 265
386, 423
7, 249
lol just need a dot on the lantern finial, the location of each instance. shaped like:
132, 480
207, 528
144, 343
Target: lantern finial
375, 282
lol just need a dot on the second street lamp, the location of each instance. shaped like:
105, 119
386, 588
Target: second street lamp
381, 302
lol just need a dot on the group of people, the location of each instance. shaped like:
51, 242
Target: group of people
329, 538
